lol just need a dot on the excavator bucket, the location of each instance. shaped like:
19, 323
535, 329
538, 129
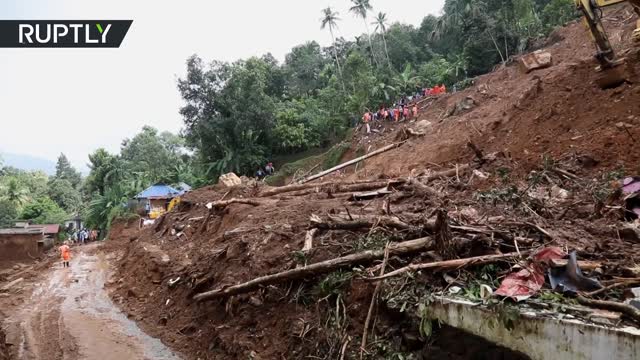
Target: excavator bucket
613, 77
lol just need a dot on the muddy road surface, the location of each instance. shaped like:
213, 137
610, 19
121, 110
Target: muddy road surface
70, 316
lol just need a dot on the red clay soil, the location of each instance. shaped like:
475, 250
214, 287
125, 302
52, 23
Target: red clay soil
556, 112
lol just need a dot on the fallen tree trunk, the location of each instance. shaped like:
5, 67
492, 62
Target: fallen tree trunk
402, 248
224, 203
345, 188
351, 162
425, 178
361, 222
370, 195
300, 187
451, 264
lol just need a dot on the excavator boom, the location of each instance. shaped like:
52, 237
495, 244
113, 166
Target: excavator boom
612, 73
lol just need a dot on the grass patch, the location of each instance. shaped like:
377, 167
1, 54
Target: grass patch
327, 160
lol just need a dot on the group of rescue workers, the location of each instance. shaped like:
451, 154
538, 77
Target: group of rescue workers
405, 109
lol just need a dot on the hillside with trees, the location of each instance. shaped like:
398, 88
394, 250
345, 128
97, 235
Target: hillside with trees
239, 115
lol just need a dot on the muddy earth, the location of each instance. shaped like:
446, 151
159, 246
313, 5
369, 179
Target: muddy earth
70, 316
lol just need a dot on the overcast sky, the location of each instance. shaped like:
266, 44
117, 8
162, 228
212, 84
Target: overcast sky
77, 100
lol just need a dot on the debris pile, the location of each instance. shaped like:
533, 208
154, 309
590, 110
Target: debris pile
500, 204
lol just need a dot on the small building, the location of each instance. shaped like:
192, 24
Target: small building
74, 223
50, 232
156, 199
21, 244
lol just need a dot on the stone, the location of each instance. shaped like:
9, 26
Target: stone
422, 125
630, 233
535, 61
229, 180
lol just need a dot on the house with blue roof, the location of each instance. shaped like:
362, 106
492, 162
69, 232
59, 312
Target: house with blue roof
156, 198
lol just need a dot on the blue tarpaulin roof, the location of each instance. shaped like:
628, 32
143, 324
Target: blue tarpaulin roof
158, 191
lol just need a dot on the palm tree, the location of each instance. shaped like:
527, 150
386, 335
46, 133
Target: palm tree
407, 80
381, 25
330, 19
459, 63
15, 192
383, 89
361, 8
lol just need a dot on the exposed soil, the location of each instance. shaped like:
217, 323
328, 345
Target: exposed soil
69, 315
555, 112
556, 146
533, 124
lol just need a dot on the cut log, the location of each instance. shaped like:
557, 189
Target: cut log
360, 222
403, 248
422, 189
313, 187
452, 264
224, 203
370, 195
582, 264
351, 162
426, 178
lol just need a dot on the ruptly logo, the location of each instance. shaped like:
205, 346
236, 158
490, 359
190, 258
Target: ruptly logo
63, 33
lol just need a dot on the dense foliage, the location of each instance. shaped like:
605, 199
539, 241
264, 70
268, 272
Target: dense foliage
239, 115
148, 158
32, 195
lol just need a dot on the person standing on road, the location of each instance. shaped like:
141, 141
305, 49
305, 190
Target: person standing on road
65, 254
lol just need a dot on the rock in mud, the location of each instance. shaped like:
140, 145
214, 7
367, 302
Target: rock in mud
230, 180
535, 61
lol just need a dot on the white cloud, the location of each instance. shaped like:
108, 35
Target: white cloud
74, 101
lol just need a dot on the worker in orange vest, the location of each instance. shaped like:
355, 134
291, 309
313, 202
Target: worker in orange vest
65, 253
415, 110
366, 118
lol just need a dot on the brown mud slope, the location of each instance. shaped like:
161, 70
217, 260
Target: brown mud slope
3, 347
515, 200
555, 112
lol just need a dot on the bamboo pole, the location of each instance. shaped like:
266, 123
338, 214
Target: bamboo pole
351, 162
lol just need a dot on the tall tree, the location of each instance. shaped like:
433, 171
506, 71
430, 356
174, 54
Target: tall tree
381, 26
330, 19
361, 8
152, 154
65, 195
65, 171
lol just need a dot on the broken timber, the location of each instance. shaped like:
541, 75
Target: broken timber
351, 162
452, 264
402, 248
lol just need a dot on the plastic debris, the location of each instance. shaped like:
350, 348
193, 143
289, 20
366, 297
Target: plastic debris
527, 282
569, 279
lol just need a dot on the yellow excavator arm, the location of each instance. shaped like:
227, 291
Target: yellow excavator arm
591, 9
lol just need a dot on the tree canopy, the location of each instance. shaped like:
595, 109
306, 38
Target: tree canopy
240, 115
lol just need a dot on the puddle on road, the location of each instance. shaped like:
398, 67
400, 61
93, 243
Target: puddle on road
89, 317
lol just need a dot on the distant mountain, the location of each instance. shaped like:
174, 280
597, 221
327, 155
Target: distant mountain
28, 162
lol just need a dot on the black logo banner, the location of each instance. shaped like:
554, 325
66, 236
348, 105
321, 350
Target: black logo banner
63, 33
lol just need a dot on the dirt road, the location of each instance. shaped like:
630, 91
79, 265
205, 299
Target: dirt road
70, 316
